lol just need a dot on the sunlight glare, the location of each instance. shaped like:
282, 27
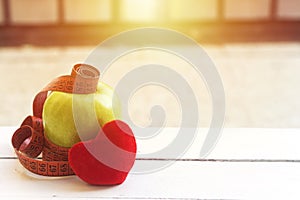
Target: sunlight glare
139, 10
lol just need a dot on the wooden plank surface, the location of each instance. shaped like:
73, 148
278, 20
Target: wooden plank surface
234, 143
237, 173
205, 180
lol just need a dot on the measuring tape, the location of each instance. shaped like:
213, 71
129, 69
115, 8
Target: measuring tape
29, 140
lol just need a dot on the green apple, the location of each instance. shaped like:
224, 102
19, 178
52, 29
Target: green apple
66, 115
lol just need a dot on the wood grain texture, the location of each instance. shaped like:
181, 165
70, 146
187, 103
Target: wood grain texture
246, 164
234, 143
212, 180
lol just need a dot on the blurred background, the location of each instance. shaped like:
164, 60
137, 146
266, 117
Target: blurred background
255, 45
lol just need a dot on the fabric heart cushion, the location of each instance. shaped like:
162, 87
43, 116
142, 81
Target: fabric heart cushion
107, 159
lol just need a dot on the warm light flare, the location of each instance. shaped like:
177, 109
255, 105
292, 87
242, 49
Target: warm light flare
140, 10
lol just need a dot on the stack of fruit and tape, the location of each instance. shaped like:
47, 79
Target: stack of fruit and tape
76, 126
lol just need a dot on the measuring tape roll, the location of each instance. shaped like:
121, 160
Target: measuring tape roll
29, 140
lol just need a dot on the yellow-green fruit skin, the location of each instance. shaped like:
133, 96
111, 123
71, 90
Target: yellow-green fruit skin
70, 118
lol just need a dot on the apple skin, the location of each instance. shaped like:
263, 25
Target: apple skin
91, 110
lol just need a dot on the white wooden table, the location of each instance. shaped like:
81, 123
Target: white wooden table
245, 164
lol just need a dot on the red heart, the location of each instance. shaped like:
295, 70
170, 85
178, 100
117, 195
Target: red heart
107, 159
